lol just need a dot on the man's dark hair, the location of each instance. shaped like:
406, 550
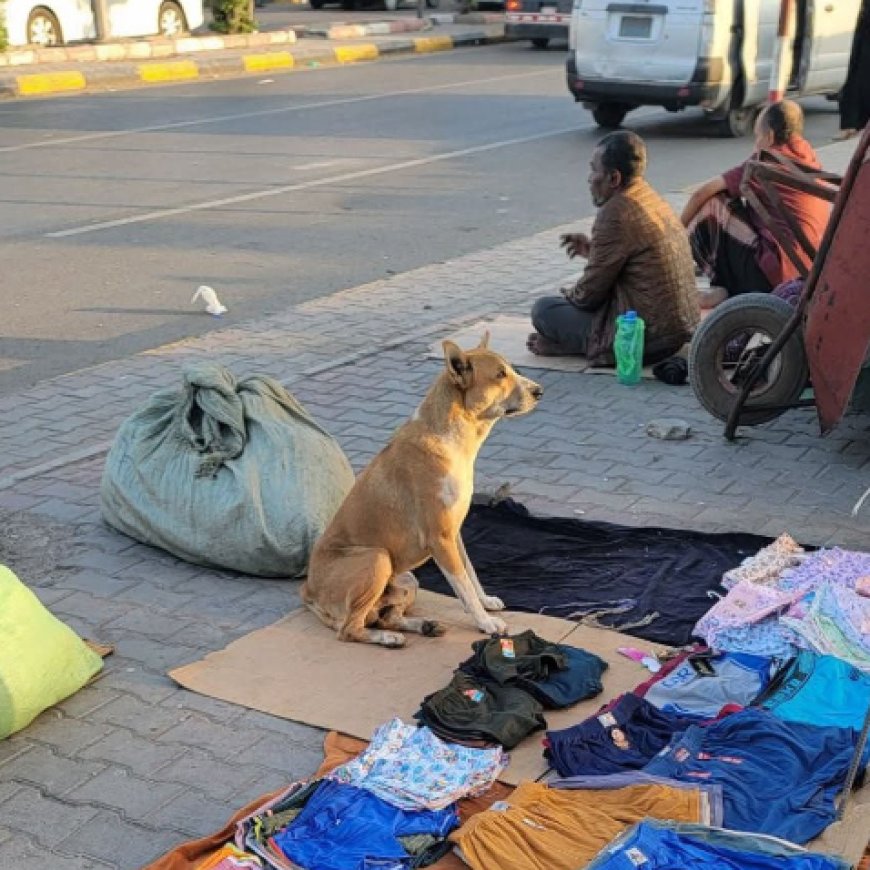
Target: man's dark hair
624, 152
784, 120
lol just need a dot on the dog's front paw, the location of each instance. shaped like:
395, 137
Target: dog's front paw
432, 628
391, 639
490, 602
493, 625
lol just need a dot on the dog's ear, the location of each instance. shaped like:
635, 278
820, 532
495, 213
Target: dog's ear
484, 342
458, 365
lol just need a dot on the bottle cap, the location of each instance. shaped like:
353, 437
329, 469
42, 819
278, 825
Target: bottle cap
630, 316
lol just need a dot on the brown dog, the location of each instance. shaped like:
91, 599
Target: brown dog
409, 503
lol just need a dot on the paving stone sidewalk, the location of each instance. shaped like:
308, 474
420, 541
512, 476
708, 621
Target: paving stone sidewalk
131, 765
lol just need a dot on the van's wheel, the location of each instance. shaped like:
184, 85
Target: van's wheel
43, 28
541, 42
609, 115
729, 343
171, 22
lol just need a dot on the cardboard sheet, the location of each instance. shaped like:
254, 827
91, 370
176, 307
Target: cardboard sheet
305, 674
507, 336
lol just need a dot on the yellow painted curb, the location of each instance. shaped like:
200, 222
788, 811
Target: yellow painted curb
49, 83
176, 71
356, 53
433, 43
266, 62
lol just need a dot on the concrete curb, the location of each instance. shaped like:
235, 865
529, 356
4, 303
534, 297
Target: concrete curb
149, 49
121, 75
357, 31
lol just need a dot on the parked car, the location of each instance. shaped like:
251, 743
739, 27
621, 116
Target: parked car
538, 20
716, 54
57, 22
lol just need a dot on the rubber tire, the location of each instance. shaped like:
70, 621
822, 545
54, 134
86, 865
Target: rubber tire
736, 124
180, 11
746, 313
541, 42
391, 5
609, 115
316, 4
42, 12
433, 4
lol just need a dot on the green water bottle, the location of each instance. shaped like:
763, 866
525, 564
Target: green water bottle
628, 347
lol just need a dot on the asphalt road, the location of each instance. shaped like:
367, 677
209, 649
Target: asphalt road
116, 207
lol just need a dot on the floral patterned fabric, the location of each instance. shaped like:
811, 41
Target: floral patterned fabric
411, 768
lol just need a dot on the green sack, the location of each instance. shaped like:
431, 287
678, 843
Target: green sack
42, 661
224, 472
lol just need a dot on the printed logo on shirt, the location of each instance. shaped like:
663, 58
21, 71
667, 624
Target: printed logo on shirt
476, 695
636, 856
681, 754
507, 648
608, 720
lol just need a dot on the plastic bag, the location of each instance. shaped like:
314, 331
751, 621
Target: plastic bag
42, 661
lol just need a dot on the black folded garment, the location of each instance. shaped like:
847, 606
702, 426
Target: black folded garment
556, 674
472, 710
648, 582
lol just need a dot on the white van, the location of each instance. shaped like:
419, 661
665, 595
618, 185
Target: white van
716, 54
57, 22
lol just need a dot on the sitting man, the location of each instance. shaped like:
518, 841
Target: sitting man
729, 241
637, 259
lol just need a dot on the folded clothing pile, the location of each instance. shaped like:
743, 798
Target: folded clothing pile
498, 695
658, 845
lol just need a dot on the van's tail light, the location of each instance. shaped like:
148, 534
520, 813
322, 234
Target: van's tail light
514, 5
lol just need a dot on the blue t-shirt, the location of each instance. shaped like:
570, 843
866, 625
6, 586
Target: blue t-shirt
348, 828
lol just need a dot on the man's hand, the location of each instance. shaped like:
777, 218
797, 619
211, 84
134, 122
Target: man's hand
575, 244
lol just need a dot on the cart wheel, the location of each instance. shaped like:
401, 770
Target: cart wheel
730, 341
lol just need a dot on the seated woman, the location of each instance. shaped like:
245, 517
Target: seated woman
730, 243
638, 258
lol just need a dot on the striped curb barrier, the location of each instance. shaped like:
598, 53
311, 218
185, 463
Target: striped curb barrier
125, 74
143, 49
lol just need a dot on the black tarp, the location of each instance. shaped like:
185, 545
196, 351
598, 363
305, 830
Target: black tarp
574, 568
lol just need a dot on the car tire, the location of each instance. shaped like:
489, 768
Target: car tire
541, 42
736, 123
609, 115
43, 28
715, 380
171, 22
316, 4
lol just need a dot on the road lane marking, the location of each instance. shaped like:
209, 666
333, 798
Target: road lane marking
174, 71
268, 62
262, 113
307, 185
356, 53
49, 83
